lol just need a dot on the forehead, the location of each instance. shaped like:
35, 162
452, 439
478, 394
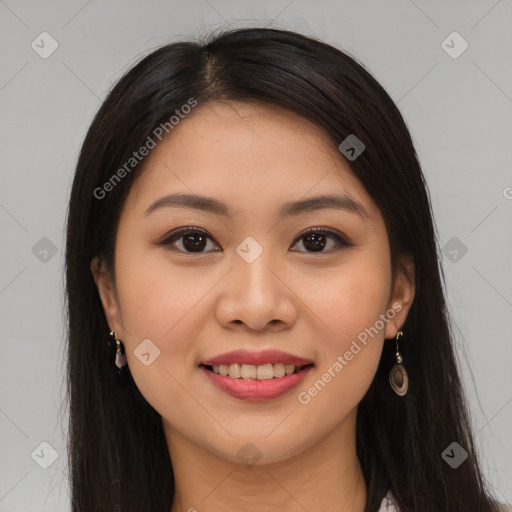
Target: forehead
248, 155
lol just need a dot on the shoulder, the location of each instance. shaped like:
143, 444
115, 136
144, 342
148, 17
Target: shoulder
388, 504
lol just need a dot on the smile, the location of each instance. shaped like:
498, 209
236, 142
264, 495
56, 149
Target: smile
255, 389
255, 372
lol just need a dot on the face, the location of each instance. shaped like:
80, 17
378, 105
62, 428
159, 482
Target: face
248, 276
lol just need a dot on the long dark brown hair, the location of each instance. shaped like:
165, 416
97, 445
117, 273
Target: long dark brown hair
117, 449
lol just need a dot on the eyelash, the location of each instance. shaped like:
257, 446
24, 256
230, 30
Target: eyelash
340, 240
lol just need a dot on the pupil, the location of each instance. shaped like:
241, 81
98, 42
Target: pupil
189, 243
318, 241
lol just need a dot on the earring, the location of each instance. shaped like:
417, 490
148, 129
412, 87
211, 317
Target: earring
120, 360
398, 376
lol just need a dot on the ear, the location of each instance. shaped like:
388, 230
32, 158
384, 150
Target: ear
108, 295
402, 295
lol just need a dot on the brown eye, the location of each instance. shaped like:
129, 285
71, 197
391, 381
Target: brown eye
191, 240
316, 239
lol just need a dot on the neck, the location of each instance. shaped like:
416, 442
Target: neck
325, 476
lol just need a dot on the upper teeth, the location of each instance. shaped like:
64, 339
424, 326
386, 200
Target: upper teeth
250, 371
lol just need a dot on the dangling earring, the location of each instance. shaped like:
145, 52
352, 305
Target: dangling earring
120, 360
398, 376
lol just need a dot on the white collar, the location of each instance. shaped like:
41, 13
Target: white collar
388, 504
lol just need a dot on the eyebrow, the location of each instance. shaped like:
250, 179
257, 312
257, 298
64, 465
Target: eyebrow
211, 205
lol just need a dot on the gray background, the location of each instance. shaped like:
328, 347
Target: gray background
458, 111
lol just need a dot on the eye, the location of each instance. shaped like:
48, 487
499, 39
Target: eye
194, 240
315, 239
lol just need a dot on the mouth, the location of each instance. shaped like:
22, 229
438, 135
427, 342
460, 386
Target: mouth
256, 383
241, 371
256, 376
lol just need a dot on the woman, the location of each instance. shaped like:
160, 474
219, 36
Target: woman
256, 311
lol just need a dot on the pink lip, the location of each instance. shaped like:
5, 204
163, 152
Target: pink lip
257, 390
256, 358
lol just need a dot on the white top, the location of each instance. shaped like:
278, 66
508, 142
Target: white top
388, 504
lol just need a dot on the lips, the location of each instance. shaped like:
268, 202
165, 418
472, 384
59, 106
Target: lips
254, 383
257, 390
256, 358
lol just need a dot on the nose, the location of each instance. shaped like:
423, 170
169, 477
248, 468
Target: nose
258, 296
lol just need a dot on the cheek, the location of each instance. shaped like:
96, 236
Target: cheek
161, 303
349, 350
351, 298
164, 304
351, 328
156, 295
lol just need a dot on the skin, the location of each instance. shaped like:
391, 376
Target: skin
196, 306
